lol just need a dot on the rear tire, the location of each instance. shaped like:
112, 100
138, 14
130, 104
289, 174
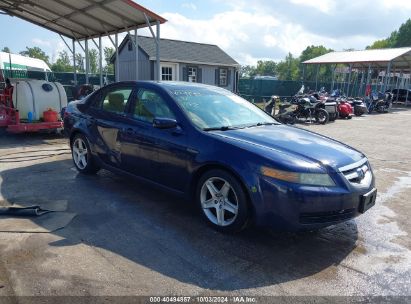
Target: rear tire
222, 201
82, 158
322, 116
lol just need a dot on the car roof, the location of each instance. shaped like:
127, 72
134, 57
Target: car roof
170, 84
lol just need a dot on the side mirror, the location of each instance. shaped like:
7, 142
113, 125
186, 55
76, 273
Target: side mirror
164, 123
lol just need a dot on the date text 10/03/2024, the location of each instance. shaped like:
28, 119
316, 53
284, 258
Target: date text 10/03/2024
203, 299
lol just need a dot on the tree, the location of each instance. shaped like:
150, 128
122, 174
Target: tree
79, 63
399, 38
380, 44
310, 72
248, 71
93, 60
266, 68
6, 49
403, 36
63, 63
35, 52
288, 69
108, 53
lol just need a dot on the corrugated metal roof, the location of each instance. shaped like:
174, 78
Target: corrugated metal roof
184, 51
81, 19
400, 58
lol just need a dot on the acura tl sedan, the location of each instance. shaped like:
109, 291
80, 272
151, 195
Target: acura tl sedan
219, 151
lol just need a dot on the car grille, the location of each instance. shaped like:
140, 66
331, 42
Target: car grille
357, 173
326, 217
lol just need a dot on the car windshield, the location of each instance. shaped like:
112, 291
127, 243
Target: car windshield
210, 108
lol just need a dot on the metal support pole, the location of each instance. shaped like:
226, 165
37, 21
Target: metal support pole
136, 47
368, 78
361, 83
397, 87
407, 87
158, 51
302, 79
87, 61
333, 79
343, 82
349, 81
390, 79
74, 63
316, 77
388, 75
100, 60
117, 69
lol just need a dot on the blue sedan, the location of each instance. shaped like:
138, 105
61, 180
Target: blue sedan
237, 163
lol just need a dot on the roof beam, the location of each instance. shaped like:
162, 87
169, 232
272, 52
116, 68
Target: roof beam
84, 11
24, 10
54, 21
122, 16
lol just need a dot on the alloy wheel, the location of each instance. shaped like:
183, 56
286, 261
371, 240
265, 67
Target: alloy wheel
219, 201
80, 153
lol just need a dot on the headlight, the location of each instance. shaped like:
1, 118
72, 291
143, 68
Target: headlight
314, 179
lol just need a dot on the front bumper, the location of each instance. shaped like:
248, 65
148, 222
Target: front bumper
294, 207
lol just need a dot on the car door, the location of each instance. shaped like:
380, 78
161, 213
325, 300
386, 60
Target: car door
109, 117
163, 152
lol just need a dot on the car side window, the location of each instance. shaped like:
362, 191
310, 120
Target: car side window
115, 101
149, 105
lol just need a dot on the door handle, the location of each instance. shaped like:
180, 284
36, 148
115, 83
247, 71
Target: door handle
129, 131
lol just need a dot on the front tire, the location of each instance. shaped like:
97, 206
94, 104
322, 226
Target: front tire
222, 201
82, 158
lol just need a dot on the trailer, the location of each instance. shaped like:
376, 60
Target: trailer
32, 106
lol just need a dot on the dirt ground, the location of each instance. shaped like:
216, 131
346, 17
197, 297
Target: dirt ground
131, 239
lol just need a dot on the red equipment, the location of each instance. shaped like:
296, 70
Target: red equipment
345, 109
10, 118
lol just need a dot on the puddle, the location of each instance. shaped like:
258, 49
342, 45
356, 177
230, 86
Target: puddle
378, 255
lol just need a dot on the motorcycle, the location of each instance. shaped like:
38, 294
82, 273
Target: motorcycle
306, 109
379, 102
328, 104
359, 106
286, 113
345, 110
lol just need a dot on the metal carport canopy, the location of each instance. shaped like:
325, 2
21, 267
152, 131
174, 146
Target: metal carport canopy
400, 58
82, 19
86, 20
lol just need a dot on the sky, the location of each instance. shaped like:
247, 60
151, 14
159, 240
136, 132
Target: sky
248, 30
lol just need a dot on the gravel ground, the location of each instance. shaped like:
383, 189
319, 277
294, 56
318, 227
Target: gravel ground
130, 239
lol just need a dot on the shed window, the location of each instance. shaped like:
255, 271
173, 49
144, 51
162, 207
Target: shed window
192, 74
130, 46
166, 73
223, 77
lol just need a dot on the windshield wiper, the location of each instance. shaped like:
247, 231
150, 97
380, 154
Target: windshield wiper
262, 124
223, 128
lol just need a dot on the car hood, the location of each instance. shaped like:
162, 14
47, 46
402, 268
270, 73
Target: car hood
296, 142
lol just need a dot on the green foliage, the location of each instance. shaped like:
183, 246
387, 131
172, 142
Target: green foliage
108, 52
399, 38
266, 68
247, 71
63, 63
403, 36
93, 61
6, 49
379, 44
36, 52
288, 69
311, 70
80, 63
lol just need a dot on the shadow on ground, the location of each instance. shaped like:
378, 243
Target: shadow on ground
168, 236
